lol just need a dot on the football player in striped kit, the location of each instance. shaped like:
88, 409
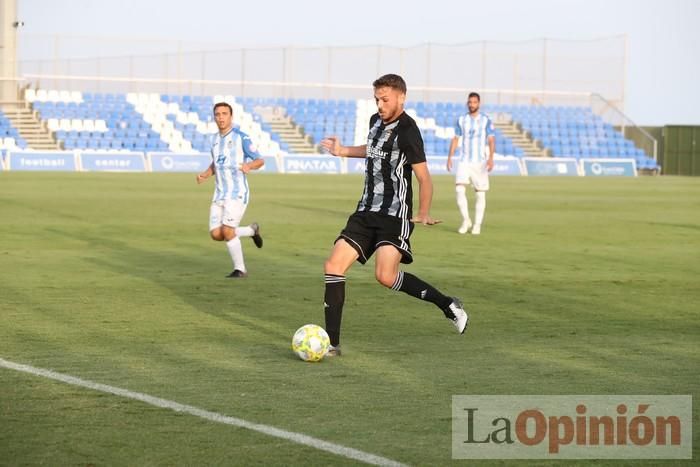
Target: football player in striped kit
475, 162
384, 219
233, 156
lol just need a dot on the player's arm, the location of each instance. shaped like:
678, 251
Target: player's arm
332, 145
411, 143
425, 194
251, 153
492, 150
453, 144
201, 177
255, 164
453, 147
491, 138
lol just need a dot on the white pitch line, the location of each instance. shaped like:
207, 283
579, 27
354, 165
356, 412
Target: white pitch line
298, 438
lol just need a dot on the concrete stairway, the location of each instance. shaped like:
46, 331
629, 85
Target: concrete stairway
288, 130
30, 127
521, 139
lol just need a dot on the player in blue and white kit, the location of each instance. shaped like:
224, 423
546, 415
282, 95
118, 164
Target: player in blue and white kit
233, 156
475, 132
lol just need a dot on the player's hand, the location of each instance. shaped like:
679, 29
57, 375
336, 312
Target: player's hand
332, 145
449, 165
489, 165
201, 178
244, 167
425, 220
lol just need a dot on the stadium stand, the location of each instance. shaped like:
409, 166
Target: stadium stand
94, 121
187, 121
182, 123
320, 118
9, 135
561, 131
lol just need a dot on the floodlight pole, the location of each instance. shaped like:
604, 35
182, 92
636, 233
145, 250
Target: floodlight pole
8, 48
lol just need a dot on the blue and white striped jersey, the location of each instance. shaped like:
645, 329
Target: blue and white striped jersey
474, 133
228, 152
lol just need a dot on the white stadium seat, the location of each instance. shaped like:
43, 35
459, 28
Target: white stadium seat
192, 117
9, 143
76, 124
52, 124
100, 125
30, 94
42, 95
181, 117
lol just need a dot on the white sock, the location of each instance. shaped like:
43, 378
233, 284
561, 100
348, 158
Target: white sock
236, 252
480, 207
246, 231
462, 202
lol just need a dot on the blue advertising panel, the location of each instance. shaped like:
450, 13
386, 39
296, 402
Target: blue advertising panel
113, 161
45, 160
609, 167
271, 165
507, 166
169, 162
311, 164
551, 166
437, 165
356, 165
195, 162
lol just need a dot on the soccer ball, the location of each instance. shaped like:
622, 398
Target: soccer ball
310, 343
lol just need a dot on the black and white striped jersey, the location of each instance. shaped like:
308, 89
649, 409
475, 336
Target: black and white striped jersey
391, 149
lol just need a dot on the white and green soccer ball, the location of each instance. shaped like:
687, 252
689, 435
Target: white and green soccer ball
310, 343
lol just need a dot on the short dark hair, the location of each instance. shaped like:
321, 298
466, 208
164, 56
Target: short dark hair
223, 104
474, 94
390, 81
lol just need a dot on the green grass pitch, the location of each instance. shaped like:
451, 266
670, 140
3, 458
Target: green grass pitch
576, 286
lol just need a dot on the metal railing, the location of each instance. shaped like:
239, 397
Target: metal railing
612, 114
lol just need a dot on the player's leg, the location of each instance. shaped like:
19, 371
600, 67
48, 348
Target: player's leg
233, 213
393, 247
461, 182
341, 258
388, 274
463, 204
480, 210
216, 218
355, 243
480, 180
252, 231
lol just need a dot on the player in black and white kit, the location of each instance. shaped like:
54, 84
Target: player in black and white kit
383, 221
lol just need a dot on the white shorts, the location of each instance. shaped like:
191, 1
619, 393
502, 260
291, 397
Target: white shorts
227, 212
475, 173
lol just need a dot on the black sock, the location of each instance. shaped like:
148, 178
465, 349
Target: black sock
413, 286
333, 303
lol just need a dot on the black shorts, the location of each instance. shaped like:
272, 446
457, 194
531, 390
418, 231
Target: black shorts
366, 231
